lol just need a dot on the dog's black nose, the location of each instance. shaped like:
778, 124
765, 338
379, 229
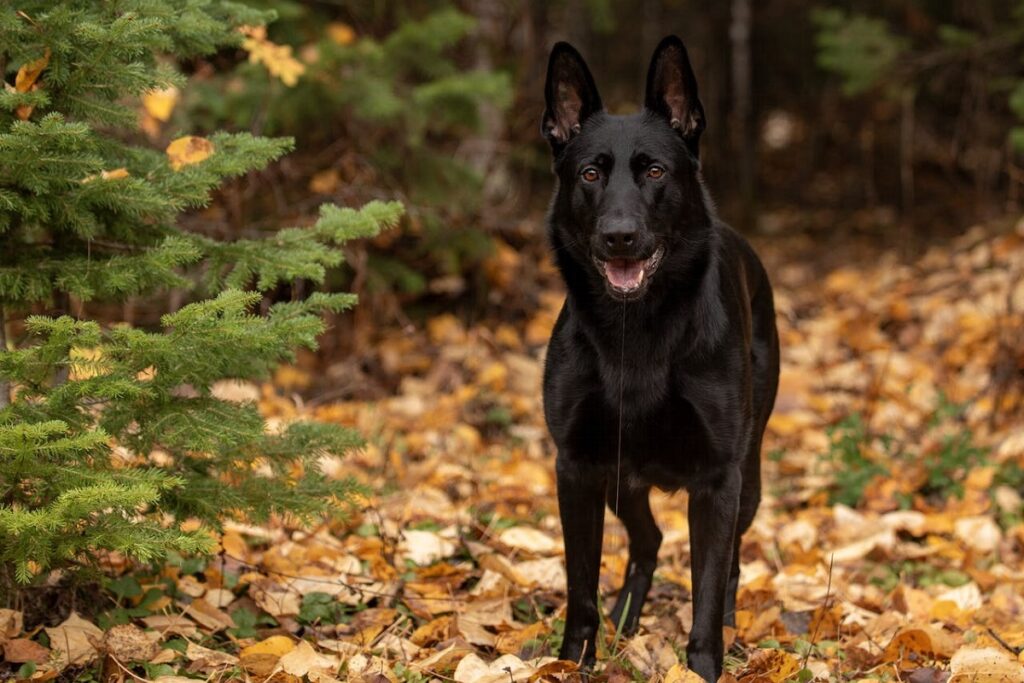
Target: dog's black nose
619, 239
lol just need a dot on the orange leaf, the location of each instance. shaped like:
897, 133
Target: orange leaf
29, 72
341, 33
188, 150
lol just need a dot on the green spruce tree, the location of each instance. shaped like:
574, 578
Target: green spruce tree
110, 435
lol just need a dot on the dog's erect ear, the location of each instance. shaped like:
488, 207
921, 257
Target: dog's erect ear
672, 90
570, 95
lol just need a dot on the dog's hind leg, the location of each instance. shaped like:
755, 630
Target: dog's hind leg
750, 498
634, 509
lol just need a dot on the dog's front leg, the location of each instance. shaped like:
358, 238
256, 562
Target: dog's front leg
712, 515
581, 492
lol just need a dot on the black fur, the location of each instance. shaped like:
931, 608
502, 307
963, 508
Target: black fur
695, 346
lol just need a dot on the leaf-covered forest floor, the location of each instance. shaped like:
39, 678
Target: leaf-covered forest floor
889, 544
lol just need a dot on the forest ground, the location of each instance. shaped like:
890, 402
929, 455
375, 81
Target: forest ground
889, 544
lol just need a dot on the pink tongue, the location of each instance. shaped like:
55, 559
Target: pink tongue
624, 273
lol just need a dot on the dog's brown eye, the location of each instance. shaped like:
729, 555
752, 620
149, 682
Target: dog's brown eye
655, 172
590, 174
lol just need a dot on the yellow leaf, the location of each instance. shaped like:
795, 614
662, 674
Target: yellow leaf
188, 150
277, 59
29, 72
680, 674
341, 33
160, 103
772, 665
274, 645
511, 642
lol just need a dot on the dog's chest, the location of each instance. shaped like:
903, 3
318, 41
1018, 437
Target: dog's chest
663, 440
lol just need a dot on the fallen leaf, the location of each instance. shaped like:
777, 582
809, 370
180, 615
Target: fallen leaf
11, 623
208, 660
277, 646
303, 659
22, 650
29, 72
772, 665
209, 616
160, 103
984, 665
529, 539
425, 547
680, 674
923, 640
74, 641
188, 150
129, 643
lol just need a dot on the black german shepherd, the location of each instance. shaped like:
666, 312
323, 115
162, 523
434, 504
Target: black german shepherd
664, 363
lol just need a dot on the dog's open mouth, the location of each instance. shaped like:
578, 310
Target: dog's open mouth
628, 276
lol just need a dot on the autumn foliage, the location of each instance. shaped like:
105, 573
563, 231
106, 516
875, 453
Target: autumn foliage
168, 489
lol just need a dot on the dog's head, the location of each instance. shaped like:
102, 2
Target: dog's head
629, 197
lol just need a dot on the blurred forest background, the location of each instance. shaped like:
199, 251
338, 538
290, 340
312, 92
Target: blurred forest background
894, 123
172, 466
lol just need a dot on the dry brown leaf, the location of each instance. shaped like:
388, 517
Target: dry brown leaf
11, 623
207, 660
433, 631
529, 539
425, 547
507, 668
984, 665
208, 616
22, 650
171, 625
303, 659
277, 601
775, 666
74, 641
129, 643
512, 642
443, 659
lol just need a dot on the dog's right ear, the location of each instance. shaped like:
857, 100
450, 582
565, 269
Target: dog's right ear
570, 96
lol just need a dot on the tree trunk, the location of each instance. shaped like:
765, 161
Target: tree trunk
744, 136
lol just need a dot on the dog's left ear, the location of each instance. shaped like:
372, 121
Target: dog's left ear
672, 91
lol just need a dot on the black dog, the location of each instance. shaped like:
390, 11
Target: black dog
663, 365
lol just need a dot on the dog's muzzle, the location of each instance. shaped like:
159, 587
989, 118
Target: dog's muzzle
626, 278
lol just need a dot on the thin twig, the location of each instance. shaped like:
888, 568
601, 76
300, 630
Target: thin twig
821, 616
